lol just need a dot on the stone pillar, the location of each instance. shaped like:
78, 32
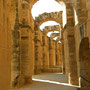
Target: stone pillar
84, 55
58, 55
15, 64
62, 56
52, 56
70, 57
45, 53
38, 50
26, 63
66, 56
41, 50
72, 61
70, 46
26, 44
31, 43
15, 74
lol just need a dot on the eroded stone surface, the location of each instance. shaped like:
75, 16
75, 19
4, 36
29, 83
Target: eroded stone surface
24, 49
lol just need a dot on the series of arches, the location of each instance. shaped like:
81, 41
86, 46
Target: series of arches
57, 16
29, 44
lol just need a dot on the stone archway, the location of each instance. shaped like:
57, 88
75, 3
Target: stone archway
57, 16
51, 53
69, 10
51, 28
84, 56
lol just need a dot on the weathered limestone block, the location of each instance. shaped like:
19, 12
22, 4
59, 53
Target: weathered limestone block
38, 50
15, 58
69, 47
24, 12
15, 64
26, 61
41, 50
62, 56
66, 55
52, 55
38, 59
45, 54
45, 58
70, 61
58, 55
88, 5
23, 62
58, 65
31, 43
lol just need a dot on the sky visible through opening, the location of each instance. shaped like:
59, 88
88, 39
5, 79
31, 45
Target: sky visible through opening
51, 33
42, 6
48, 23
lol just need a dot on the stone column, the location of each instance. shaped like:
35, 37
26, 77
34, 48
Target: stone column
26, 44
31, 43
62, 55
41, 50
58, 55
70, 46
45, 53
52, 56
38, 50
15, 64
72, 61
26, 63
70, 57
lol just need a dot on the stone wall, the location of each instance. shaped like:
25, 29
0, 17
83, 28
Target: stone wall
5, 45
10, 20
81, 30
24, 48
84, 55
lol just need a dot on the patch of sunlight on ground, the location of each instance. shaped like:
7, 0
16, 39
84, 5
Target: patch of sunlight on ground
54, 82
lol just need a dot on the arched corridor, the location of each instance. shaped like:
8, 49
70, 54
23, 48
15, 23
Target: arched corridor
44, 44
50, 81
